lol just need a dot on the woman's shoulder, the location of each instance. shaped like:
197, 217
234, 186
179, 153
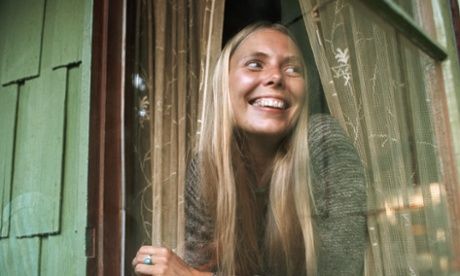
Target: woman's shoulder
324, 130
339, 191
327, 141
338, 174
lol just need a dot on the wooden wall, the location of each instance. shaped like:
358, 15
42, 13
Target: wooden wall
44, 112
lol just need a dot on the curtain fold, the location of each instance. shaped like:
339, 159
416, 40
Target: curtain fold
382, 90
176, 44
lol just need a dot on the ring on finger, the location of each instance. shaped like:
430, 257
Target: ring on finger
148, 260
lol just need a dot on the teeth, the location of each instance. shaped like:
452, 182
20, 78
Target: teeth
274, 103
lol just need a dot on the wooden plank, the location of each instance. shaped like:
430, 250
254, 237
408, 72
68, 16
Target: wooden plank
38, 155
64, 22
19, 256
8, 105
449, 102
72, 234
21, 36
106, 176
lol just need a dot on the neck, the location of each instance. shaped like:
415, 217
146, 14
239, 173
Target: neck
260, 154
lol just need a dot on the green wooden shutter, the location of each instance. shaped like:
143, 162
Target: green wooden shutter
21, 259
66, 21
71, 236
44, 122
8, 100
21, 37
38, 157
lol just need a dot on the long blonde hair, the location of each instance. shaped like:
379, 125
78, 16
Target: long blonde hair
289, 213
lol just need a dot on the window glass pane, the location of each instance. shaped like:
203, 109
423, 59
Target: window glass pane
139, 201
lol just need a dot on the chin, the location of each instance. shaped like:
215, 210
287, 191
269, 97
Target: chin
270, 133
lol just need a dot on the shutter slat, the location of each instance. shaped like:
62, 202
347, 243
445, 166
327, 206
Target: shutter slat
8, 100
38, 157
21, 36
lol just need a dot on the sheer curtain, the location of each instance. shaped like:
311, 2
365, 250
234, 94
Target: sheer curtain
387, 94
176, 43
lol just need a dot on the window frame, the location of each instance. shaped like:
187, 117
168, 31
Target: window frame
105, 227
401, 21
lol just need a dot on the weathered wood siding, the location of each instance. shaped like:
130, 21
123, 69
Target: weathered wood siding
44, 118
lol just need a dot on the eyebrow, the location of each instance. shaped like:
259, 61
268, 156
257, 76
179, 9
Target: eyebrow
264, 55
255, 55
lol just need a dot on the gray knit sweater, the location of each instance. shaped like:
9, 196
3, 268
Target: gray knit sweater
339, 194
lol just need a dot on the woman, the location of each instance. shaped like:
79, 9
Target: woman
256, 202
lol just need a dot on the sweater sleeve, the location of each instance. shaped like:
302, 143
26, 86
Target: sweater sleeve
339, 191
198, 251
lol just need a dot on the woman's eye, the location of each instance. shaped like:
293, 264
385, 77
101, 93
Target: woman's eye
293, 70
254, 65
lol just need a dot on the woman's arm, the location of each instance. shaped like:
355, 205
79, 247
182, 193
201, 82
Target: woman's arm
340, 195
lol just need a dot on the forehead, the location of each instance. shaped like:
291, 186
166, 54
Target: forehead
268, 41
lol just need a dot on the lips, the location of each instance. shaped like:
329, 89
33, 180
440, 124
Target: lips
270, 103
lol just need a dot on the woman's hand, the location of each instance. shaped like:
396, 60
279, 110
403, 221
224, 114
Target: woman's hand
164, 263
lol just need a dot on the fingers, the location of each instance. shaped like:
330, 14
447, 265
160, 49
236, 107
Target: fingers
142, 253
160, 256
138, 262
144, 269
154, 250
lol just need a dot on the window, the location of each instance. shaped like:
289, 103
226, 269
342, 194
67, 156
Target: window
386, 86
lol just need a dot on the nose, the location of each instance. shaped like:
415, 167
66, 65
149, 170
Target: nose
274, 78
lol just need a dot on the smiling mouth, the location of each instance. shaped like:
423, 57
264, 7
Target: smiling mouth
270, 103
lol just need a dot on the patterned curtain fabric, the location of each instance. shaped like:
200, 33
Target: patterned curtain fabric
176, 42
389, 96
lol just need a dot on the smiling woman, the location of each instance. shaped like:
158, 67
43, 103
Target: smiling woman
267, 85
253, 206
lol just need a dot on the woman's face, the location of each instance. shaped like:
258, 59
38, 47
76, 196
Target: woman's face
267, 85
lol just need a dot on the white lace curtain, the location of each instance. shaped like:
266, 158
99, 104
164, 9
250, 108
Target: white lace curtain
386, 93
176, 42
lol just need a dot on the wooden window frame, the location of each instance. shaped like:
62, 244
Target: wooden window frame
402, 22
455, 10
105, 165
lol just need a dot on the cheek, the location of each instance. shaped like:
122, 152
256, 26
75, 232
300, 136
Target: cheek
241, 82
245, 79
